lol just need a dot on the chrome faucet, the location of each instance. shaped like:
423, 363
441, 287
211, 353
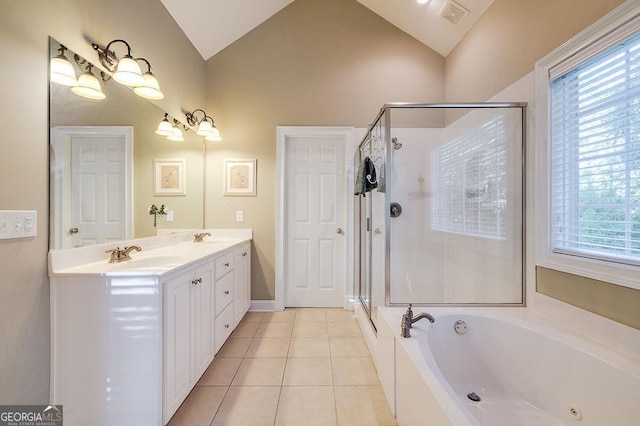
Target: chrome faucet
121, 255
198, 238
408, 319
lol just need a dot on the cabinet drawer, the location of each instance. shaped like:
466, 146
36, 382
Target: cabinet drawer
223, 326
223, 264
224, 292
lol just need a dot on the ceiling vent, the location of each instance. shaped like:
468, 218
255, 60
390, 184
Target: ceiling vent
453, 13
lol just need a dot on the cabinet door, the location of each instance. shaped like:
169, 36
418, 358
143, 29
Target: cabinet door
178, 371
203, 310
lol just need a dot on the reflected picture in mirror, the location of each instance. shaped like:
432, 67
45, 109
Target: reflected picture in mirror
102, 155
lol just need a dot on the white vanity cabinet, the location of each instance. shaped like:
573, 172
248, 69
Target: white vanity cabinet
130, 340
242, 276
187, 333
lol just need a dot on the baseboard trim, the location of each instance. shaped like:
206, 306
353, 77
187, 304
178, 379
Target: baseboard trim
263, 306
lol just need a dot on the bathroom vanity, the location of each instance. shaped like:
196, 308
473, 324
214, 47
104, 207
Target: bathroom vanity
129, 340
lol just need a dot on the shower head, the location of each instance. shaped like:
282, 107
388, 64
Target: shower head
396, 145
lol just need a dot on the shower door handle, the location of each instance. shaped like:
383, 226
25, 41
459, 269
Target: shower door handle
339, 231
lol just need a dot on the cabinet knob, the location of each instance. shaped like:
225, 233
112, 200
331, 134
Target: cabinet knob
226, 326
226, 264
226, 292
194, 282
244, 254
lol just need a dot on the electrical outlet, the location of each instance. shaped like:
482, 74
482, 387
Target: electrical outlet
239, 216
18, 223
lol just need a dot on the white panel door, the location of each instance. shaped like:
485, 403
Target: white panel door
315, 258
97, 189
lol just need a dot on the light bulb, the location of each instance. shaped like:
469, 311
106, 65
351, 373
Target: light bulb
150, 89
62, 71
88, 87
164, 128
205, 129
128, 72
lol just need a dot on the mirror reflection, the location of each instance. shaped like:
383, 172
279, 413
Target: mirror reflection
108, 167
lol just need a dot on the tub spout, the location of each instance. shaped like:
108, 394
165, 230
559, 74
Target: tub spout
408, 319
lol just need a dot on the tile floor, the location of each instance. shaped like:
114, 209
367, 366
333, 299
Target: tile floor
295, 367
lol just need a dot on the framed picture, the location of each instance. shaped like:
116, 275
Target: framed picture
169, 176
240, 177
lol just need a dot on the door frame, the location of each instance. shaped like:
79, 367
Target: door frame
284, 133
60, 158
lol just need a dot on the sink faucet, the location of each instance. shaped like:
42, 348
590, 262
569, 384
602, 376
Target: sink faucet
120, 255
198, 238
408, 319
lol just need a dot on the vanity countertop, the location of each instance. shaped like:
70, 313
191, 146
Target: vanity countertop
159, 255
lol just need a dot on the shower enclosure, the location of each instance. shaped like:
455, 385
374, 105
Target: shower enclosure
441, 218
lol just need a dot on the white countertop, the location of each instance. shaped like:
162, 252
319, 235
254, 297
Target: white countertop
159, 255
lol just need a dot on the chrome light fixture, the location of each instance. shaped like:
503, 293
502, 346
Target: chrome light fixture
125, 70
150, 89
206, 125
62, 71
88, 85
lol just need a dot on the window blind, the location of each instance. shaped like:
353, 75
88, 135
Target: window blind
595, 156
469, 176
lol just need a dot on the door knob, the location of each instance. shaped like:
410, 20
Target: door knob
339, 231
74, 230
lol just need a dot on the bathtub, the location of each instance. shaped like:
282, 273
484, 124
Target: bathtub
525, 370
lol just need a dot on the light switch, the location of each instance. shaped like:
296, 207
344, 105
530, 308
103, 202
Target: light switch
18, 223
239, 216
170, 216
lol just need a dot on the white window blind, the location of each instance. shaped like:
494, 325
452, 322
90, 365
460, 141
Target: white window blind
595, 156
469, 183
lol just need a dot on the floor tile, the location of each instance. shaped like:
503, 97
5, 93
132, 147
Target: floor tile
246, 329
275, 329
199, 407
243, 406
363, 405
354, 371
311, 315
344, 329
288, 315
308, 371
220, 372
339, 315
306, 406
309, 347
268, 347
348, 347
234, 347
310, 329
260, 372
253, 317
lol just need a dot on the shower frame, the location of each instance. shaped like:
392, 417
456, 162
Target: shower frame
385, 112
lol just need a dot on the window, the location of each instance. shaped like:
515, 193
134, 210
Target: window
587, 168
469, 183
595, 156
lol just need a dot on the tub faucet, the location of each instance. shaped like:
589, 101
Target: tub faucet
120, 255
408, 319
198, 238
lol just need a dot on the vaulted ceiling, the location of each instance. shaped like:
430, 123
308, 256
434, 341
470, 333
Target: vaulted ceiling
212, 25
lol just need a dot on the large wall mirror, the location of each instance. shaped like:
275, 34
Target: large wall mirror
108, 166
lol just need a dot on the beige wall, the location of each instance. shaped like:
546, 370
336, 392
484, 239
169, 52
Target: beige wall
502, 48
24, 29
510, 37
316, 63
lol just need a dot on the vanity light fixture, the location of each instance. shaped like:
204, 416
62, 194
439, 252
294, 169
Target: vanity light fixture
126, 69
150, 89
88, 85
62, 71
176, 135
205, 128
164, 128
